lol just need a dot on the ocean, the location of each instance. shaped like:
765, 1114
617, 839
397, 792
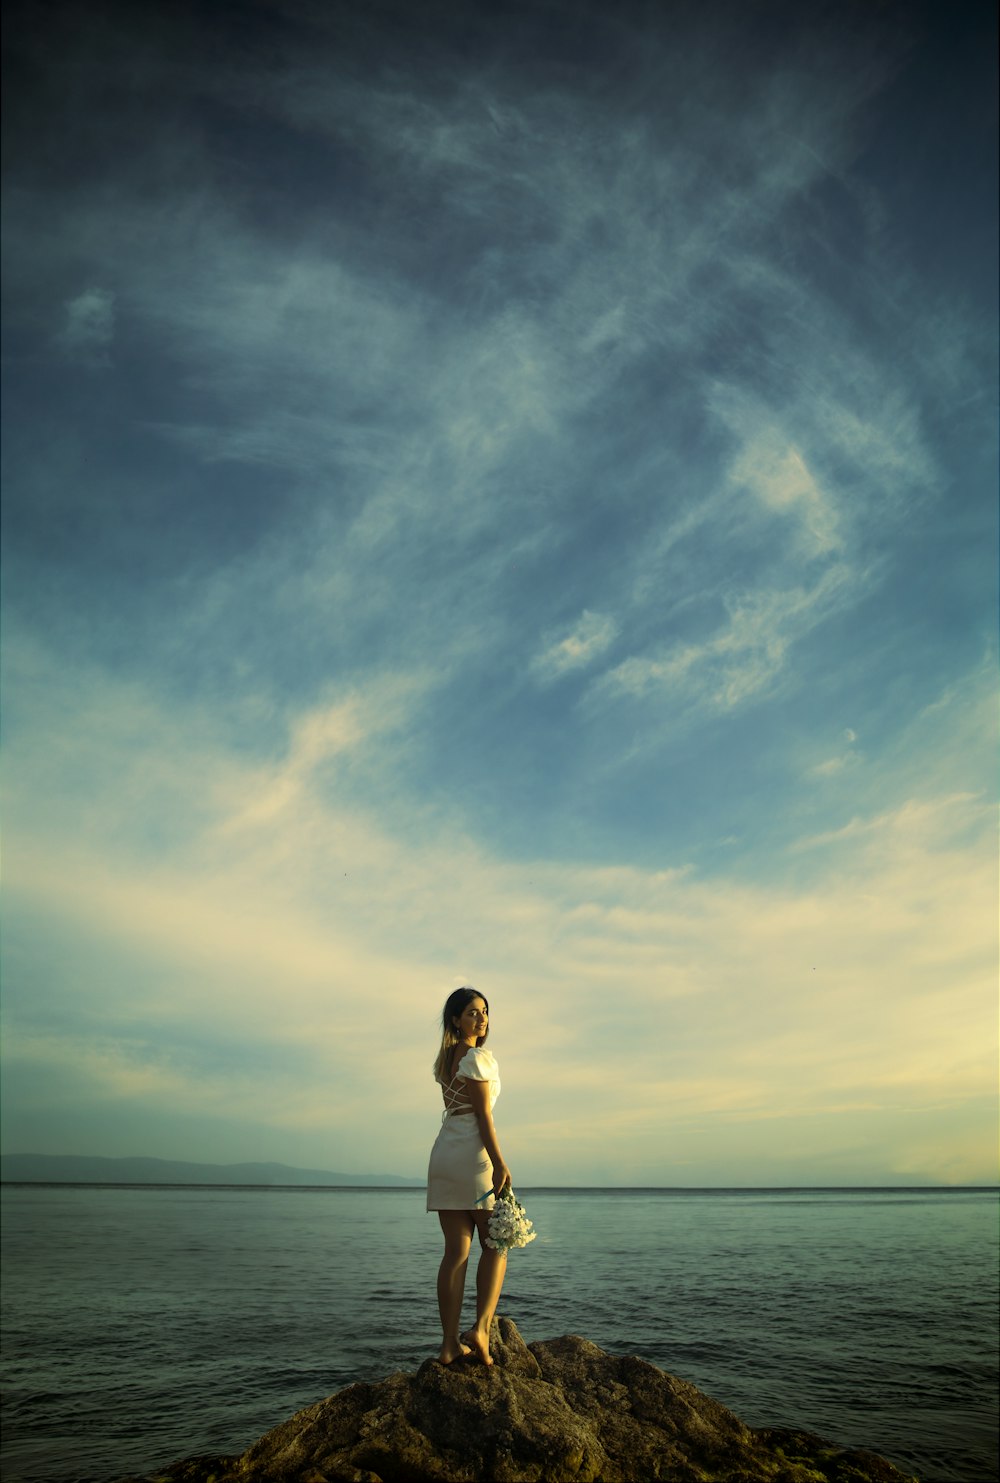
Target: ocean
144, 1324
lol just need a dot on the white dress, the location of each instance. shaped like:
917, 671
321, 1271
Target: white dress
460, 1173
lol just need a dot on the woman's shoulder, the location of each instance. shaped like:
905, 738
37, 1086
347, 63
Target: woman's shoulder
478, 1063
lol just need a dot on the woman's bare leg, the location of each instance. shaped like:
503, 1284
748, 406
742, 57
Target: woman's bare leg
489, 1281
457, 1226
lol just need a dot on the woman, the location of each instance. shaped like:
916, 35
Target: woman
466, 1172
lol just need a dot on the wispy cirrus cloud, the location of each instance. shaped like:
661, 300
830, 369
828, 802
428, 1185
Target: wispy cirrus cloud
88, 327
849, 756
777, 474
741, 660
590, 637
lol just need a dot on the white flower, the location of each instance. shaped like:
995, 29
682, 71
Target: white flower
509, 1226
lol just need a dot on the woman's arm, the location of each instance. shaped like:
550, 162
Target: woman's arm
479, 1094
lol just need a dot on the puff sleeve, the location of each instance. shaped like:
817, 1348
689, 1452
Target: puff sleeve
480, 1065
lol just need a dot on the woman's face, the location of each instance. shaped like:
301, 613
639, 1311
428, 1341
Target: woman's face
472, 1021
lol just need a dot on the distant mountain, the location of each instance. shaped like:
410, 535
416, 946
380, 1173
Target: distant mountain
41, 1168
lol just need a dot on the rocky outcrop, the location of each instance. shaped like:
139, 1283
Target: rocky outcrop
560, 1411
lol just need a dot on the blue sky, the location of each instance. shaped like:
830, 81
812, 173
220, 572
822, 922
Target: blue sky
506, 496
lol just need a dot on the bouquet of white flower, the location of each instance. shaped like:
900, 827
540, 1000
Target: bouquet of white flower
509, 1226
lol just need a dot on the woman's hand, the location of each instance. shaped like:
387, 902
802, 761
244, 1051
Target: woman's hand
501, 1178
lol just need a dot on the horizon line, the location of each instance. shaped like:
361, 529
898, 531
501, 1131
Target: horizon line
416, 1187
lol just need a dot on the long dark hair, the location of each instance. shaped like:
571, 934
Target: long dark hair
453, 1007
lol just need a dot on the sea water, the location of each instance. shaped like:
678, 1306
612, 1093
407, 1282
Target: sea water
145, 1324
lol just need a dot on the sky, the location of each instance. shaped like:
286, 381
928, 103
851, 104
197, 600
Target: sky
503, 495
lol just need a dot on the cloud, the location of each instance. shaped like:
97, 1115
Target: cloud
565, 258
460, 381
322, 928
590, 637
777, 474
742, 660
320, 736
88, 327
913, 817
831, 766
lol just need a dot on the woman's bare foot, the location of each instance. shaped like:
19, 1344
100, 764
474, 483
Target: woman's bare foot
479, 1344
452, 1349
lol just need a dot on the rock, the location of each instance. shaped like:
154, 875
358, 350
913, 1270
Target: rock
560, 1411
